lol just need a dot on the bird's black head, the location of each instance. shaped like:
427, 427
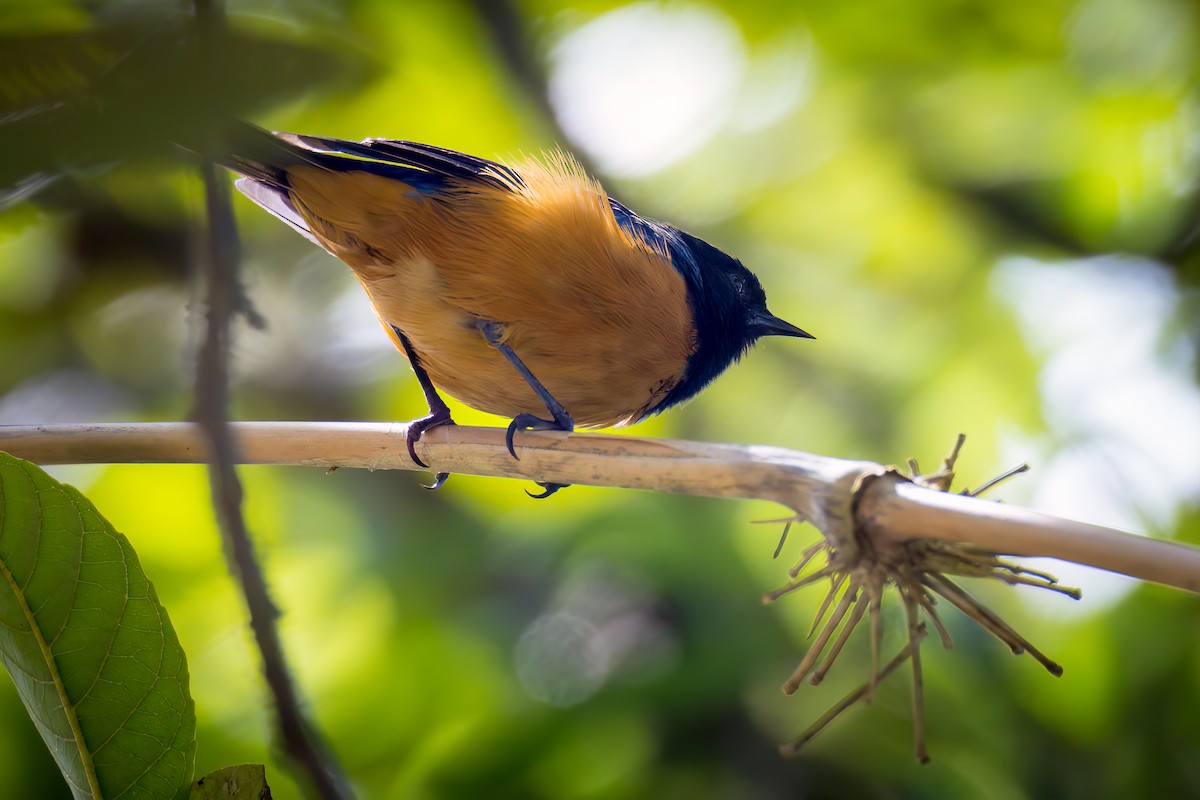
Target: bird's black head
729, 310
729, 307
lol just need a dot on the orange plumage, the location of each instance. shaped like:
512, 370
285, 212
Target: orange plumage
518, 289
596, 314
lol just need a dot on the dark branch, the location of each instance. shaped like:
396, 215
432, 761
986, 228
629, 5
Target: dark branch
224, 300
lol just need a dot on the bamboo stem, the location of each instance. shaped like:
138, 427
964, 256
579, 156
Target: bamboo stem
837, 496
902, 511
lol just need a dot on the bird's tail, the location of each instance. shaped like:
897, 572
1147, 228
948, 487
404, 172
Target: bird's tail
263, 156
263, 159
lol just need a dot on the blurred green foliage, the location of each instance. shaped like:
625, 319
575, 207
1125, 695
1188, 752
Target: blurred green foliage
986, 212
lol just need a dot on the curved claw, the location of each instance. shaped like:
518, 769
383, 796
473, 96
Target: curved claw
418, 427
528, 422
549, 489
412, 440
438, 480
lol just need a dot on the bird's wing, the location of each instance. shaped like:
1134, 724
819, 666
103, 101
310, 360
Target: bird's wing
423, 166
266, 158
668, 242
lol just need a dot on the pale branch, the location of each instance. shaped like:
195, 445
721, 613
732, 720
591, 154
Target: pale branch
845, 500
905, 511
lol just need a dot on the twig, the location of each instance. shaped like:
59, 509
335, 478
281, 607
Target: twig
856, 615
224, 300
810, 658
793, 747
211, 400
902, 511
834, 494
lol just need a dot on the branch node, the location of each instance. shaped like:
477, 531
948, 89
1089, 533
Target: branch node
918, 568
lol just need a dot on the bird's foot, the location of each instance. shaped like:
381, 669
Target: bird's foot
416, 429
438, 479
528, 422
547, 490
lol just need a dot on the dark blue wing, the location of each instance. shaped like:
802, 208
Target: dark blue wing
661, 238
267, 157
428, 168
448, 162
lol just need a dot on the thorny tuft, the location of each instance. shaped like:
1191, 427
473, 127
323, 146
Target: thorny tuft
918, 569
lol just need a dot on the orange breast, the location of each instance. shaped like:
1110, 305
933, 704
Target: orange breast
600, 318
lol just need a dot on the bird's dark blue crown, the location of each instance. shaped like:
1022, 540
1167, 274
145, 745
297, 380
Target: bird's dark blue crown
723, 295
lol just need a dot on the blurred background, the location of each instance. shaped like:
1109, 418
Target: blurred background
986, 213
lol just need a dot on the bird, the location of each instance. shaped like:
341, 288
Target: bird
522, 289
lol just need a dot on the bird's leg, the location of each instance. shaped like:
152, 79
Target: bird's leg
528, 422
439, 412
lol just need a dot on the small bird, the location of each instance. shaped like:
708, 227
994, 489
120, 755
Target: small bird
523, 290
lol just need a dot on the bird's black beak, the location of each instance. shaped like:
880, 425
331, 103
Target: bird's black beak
767, 324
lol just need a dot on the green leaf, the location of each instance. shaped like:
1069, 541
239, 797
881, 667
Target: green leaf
243, 782
89, 647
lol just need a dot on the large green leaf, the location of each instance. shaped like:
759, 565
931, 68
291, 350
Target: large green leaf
89, 647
